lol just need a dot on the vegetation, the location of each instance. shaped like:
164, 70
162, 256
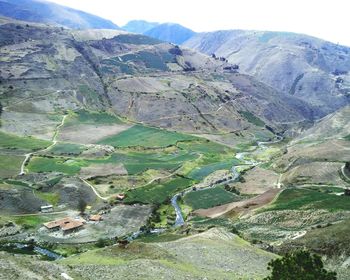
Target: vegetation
299, 265
67, 149
209, 198
158, 193
143, 136
252, 118
203, 171
10, 165
11, 141
151, 60
44, 164
330, 239
309, 199
82, 206
91, 117
51, 198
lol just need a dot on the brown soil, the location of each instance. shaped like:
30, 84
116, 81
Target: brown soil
103, 170
89, 134
240, 206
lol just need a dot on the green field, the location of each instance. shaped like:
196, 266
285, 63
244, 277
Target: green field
293, 199
157, 193
51, 198
138, 162
67, 149
200, 173
90, 117
10, 165
41, 164
209, 198
11, 141
143, 136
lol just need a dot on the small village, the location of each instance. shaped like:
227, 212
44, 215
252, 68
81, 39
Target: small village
68, 225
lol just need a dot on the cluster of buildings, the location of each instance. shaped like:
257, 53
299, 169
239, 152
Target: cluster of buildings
68, 225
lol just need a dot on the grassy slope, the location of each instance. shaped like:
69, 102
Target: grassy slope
215, 254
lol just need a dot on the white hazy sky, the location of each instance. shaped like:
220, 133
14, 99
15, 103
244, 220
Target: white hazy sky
326, 19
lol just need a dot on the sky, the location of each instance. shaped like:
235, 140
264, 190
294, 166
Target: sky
326, 19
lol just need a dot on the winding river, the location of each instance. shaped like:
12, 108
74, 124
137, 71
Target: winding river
179, 220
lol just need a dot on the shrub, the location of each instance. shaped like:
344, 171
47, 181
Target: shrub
299, 265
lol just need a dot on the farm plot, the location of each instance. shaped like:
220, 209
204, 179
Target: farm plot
62, 165
11, 141
158, 193
90, 127
296, 199
209, 198
145, 137
10, 165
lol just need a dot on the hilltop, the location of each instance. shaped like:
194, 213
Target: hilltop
51, 13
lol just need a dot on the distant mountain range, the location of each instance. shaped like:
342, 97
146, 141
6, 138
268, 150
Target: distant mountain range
47, 12
309, 69
139, 26
169, 32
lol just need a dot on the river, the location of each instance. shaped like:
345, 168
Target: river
179, 220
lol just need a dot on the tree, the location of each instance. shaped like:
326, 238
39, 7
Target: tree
300, 265
82, 206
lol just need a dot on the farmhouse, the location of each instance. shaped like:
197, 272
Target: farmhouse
67, 225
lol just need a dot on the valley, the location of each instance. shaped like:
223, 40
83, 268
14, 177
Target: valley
129, 156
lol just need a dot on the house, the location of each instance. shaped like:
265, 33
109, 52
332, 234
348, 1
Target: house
46, 208
71, 226
67, 225
95, 218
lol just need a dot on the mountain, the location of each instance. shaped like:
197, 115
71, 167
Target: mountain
297, 65
137, 77
139, 26
170, 32
47, 12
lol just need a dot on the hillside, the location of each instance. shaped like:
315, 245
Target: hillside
48, 12
132, 75
122, 154
297, 65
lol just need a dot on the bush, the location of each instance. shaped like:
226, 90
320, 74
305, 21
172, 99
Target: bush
298, 266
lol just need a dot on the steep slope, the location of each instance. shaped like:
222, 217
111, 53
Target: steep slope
47, 12
44, 71
335, 125
170, 32
139, 26
308, 68
214, 254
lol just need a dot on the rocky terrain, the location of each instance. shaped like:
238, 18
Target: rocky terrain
182, 165
297, 65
